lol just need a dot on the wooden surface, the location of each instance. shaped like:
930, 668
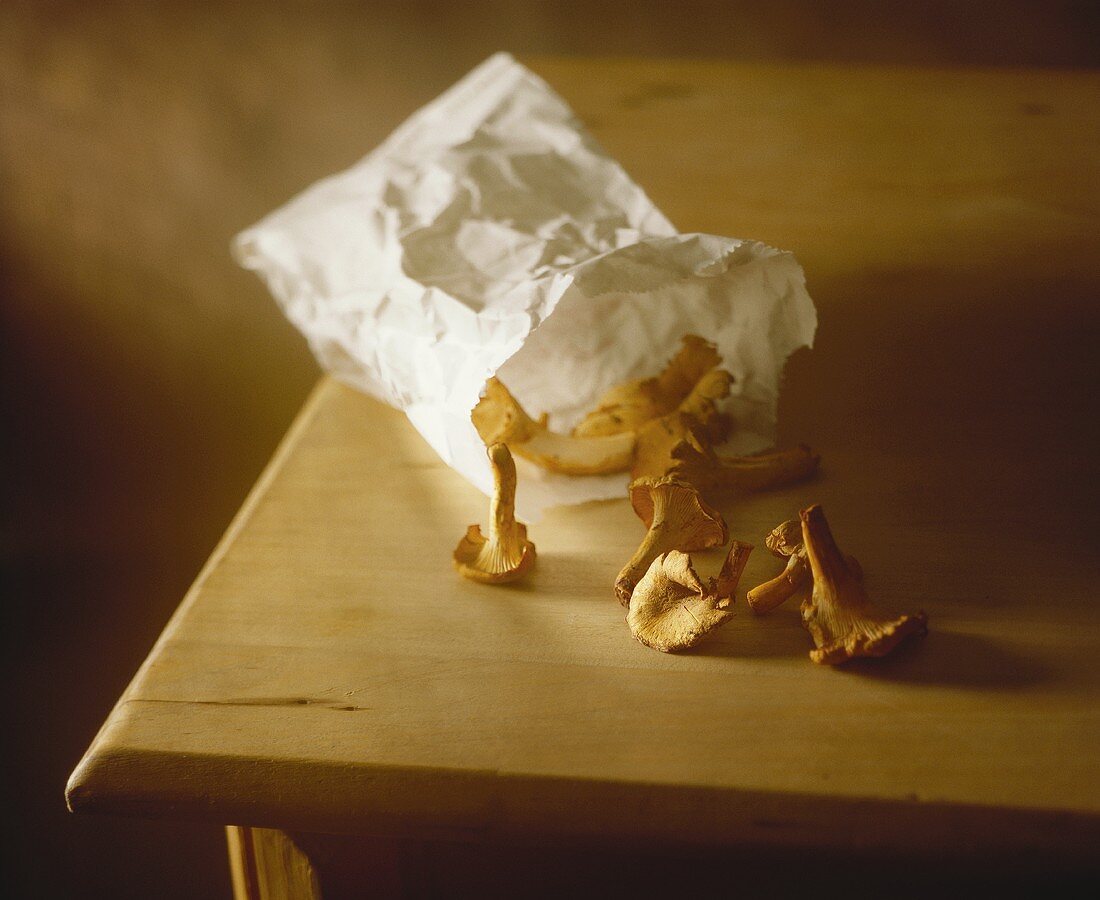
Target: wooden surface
329, 671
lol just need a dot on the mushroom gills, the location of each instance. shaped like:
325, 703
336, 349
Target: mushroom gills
838, 613
676, 518
506, 554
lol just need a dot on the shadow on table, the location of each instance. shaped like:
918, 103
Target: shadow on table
940, 658
954, 659
778, 634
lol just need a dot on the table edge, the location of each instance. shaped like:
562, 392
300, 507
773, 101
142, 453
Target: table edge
449, 804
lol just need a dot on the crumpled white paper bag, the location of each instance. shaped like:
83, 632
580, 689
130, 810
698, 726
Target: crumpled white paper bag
490, 234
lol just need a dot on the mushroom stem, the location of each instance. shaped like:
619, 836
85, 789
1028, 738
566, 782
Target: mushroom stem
767, 596
652, 546
502, 508
677, 519
506, 554
785, 541
737, 558
829, 567
768, 470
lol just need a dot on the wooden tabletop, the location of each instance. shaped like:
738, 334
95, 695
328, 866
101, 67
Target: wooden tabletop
330, 672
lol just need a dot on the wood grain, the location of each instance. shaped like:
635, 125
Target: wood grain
329, 672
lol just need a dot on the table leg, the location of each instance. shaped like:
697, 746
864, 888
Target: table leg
265, 864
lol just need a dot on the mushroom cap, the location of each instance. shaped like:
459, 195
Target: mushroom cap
698, 412
499, 418
659, 441
868, 637
697, 525
786, 539
713, 385
693, 459
672, 608
479, 559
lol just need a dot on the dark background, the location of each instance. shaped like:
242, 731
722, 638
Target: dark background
146, 380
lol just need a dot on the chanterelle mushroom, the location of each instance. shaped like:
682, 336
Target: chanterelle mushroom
673, 609
698, 413
507, 554
498, 417
693, 460
838, 614
627, 406
677, 519
784, 541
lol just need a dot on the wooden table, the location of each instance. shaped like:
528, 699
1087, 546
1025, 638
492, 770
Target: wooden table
329, 673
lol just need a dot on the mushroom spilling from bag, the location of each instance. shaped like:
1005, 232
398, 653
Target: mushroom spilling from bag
629, 405
604, 442
673, 609
676, 518
681, 444
695, 461
838, 613
490, 235
506, 554
698, 413
499, 418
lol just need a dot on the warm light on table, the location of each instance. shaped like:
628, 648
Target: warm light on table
329, 672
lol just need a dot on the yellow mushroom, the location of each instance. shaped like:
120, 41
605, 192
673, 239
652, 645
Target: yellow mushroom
796, 579
627, 406
498, 417
838, 614
698, 413
700, 401
677, 518
673, 609
507, 554
784, 541
693, 460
